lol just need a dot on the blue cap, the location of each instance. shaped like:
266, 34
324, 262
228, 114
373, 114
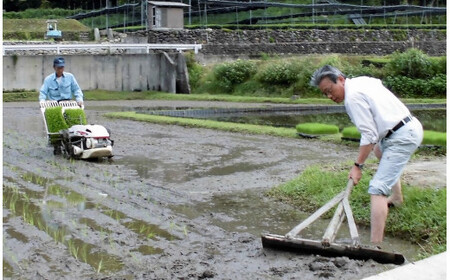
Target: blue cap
58, 62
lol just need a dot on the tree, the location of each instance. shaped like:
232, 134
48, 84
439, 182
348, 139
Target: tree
20, 5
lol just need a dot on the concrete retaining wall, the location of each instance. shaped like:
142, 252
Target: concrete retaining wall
125, 72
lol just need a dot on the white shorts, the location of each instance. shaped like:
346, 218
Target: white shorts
396, 152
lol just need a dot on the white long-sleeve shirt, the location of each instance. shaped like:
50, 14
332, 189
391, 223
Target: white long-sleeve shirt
372, 108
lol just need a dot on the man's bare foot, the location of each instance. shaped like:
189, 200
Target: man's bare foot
394, 201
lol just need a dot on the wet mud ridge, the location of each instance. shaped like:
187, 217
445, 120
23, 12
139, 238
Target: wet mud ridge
174, 203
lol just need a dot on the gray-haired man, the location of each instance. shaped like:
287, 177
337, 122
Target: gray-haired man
386, 126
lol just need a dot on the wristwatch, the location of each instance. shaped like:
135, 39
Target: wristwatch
359, 165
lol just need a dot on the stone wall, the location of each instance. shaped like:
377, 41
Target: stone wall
255, 42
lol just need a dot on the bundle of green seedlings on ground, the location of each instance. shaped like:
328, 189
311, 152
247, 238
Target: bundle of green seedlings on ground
421, 219
74, 116
434, 138
55, 119
351, 132
317, 128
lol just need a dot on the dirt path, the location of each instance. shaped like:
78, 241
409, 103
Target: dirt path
175, 203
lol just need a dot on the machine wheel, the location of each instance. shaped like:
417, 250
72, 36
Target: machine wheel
66, 144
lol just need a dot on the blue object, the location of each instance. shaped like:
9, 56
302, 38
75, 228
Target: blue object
54, 34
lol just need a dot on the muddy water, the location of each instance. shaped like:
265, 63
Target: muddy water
174, 203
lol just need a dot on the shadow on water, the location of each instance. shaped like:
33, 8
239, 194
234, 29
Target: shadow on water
40, 208
250, 211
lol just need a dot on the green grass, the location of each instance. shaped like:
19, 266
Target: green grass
34, 29
99, 95
224, 126
421, 220
40, 25
317, 128
434, 138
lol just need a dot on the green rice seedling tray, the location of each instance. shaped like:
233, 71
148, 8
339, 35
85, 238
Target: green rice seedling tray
314, 130
55, 120
434, 138
74, 117
351, 133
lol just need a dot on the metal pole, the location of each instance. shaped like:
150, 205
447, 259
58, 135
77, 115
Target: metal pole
250, 13
142, 12
190, 10
107, 14
206, 16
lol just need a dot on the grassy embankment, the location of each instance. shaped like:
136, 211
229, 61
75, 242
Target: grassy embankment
421, 219
34, 29
101, 95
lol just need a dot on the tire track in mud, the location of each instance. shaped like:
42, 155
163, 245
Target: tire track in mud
136, 223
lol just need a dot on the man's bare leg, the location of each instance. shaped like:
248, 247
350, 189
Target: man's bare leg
396, 197
378, 215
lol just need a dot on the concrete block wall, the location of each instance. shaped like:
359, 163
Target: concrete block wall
125, 72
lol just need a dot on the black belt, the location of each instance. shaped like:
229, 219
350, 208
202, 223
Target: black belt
399, 125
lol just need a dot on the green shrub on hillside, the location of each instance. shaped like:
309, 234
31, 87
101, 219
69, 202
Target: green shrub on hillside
280, 72
412, 63
284, 77
229, 74
317, 128
406, 87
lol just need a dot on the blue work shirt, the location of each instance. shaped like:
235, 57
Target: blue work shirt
51, 90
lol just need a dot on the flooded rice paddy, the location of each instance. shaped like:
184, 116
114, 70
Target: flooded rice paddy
173, 203
432, 118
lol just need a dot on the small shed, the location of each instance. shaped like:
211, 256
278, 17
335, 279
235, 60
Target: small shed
165, 15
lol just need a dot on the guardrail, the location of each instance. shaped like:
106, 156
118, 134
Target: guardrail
110, 47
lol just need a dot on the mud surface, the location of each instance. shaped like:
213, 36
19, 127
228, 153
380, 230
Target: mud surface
174, 203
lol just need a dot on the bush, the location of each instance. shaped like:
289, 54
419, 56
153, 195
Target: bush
317, 128
406, 87
280, 73
229, 74
351, 132
439, 65
413, 64
434, 138
436, 87
195, 70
